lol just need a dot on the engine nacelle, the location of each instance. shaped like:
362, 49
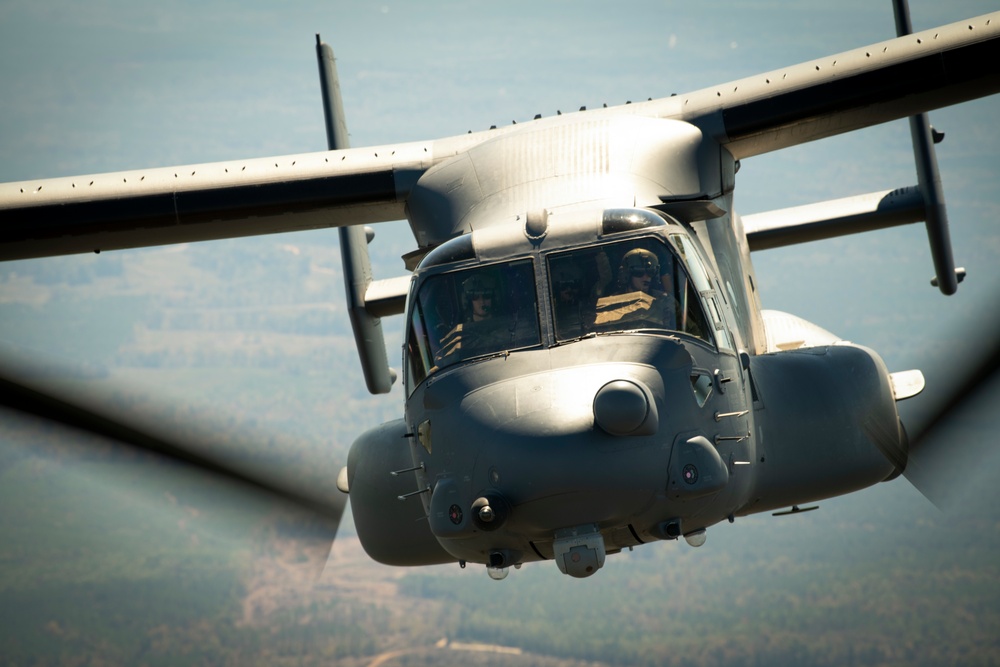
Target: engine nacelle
392, 531
829, 421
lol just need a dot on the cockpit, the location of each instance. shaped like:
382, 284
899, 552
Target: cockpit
464, 306
622, 286
473, 312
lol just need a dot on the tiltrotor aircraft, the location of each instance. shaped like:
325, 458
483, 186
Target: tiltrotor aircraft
586, 364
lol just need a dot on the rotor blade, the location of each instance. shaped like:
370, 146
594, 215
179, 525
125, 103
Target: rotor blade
957, 439
20, 391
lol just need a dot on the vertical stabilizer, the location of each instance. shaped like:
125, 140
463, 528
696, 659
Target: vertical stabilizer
929, 182
354, 243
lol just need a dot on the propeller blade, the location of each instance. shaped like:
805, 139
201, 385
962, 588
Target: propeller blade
316, 509
957, 440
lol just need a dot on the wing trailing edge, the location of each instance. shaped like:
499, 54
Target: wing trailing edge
210, 201
767, 112
205, 201
848, 91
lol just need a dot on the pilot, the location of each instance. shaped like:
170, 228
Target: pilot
639, 300
481, 331
638, 269
478, 293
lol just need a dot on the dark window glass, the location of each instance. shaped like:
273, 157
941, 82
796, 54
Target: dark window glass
472, 313
624, 286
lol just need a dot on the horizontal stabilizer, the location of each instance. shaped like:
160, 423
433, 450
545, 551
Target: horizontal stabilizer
838, 217
387, 297
923, 202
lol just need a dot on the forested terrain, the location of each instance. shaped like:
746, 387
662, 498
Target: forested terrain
109, 557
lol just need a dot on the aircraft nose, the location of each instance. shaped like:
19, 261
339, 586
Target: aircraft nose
623, 407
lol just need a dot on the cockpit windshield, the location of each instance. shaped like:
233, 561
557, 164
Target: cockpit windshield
623, 286
471, 313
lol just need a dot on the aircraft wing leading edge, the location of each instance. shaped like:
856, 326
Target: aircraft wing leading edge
849, 91
841, 93
208, 201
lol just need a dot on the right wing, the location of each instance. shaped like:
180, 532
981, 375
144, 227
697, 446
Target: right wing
848, 91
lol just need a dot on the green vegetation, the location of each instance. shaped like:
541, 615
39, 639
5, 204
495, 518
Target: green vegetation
136, 562
875, 604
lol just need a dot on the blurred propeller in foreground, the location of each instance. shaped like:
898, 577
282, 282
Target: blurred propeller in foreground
954, 442
306, 505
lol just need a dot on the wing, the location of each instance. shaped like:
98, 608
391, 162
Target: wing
211, 201
806, 102
848, 91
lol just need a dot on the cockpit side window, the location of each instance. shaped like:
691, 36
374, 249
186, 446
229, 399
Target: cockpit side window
702, 286
623, 286
471, 313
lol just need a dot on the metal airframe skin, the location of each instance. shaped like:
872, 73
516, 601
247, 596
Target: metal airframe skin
663, 400
752, 116
580, 447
